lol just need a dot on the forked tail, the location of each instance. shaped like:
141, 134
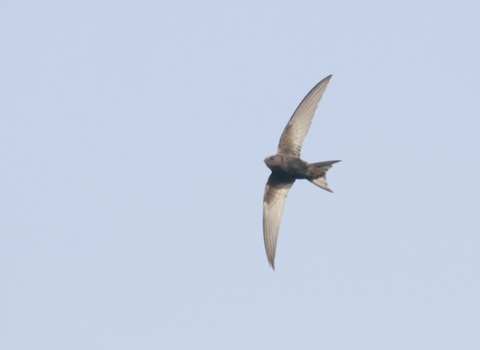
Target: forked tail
322, 180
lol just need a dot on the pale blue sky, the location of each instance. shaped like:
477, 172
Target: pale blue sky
132, 139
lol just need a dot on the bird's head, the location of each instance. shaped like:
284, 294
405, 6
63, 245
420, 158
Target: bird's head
273, 161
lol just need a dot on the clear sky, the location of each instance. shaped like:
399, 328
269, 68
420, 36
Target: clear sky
132, 139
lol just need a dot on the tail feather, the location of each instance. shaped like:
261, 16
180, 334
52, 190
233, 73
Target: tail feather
322, 180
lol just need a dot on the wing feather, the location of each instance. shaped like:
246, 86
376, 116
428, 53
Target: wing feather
297, 128
276, 192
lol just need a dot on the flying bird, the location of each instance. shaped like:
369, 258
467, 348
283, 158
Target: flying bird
287, 167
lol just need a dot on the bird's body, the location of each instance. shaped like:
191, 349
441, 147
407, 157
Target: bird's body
293, 167
287, 167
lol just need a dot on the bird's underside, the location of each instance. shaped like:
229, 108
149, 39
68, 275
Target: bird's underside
287, 167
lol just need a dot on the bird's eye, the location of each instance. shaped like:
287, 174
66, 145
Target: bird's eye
272, 158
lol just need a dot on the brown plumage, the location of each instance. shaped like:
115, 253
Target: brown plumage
287, 167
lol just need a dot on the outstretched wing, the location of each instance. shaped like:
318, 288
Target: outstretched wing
298, 125
276, 191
